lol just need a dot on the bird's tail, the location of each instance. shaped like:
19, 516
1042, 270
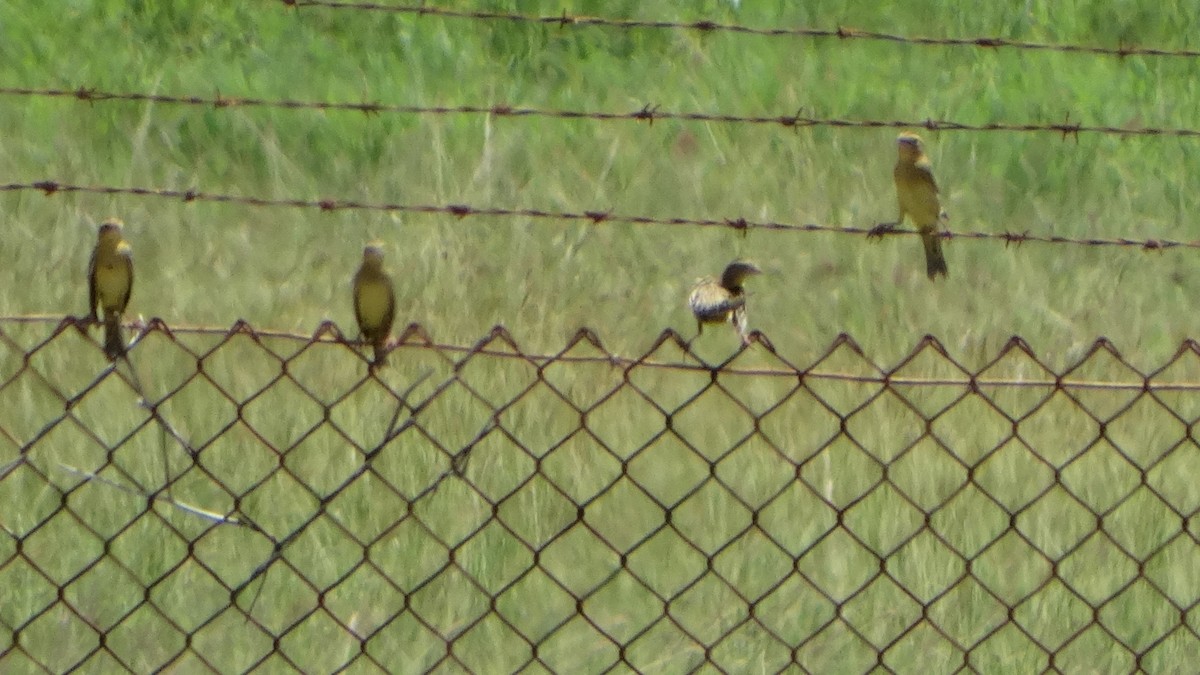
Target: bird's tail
380, 355
935, 262
114, 343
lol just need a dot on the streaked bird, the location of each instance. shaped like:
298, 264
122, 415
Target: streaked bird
724, 299
917, 198
374, 301
110, 281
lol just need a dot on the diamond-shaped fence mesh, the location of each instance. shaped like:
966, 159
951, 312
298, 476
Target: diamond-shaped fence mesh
235, 499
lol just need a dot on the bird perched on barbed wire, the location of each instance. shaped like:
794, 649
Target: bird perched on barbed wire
917, 196
374, 301
724, 299
110, 281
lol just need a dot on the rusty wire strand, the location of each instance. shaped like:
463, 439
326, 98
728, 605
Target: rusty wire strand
648, 113
740, 224
329, 333
706, 26
379, 519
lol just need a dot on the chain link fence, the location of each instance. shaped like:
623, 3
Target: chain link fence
232, 500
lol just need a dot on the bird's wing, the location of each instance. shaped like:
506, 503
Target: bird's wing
924, 173
917, 192
126, 254
710, 301
389, 317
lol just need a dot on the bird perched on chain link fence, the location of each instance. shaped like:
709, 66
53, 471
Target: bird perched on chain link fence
724, 299
110, 281
917, 198
374, 302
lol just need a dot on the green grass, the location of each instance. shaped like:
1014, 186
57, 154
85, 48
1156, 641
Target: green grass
923, 534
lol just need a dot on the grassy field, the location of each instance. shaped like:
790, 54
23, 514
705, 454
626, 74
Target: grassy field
825, 527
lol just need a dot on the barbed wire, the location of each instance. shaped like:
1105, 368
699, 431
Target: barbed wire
739, 224
416, 336
705, 26
648, 113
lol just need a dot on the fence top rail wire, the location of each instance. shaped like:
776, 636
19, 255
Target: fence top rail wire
647, 113
500, 343
706, 26
740, 224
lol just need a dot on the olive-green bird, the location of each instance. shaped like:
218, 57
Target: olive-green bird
917, 198
718, 301
110, 281
374, 301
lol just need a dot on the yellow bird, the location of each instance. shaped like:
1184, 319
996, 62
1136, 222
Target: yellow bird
718, 301
374, 301
917, 197
110, 281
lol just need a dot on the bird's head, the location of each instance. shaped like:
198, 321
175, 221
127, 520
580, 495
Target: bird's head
736, 272
373, 254
910, 145
110, 229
